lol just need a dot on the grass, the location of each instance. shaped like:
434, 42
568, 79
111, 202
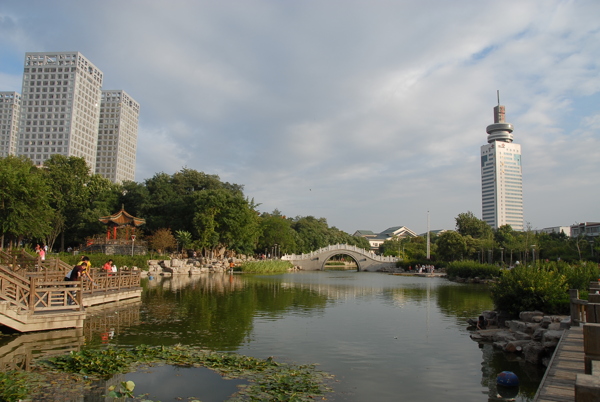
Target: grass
265, 267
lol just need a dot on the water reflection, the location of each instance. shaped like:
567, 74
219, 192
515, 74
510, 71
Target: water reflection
385, 337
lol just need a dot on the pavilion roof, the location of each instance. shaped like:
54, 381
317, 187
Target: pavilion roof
122, 218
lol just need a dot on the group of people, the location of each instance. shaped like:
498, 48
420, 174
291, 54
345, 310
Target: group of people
428, 269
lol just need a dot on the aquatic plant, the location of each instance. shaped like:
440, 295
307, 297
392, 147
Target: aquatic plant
267, 379
13, 386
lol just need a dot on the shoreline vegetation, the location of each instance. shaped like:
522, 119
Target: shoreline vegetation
542, 286
266, 378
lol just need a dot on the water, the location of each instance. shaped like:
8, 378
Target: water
384, 337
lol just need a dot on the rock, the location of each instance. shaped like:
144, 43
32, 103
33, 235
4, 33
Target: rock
550, 338
515, 346
537, 335
503, 336
522, 336
555, 326
499, 345
565, 323
516, 326
527, 316
533, 352
546, 321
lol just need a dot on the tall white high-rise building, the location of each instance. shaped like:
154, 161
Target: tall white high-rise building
60, 107
501, 175
117, 136
10, 107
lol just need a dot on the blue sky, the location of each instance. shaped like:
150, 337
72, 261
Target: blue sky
367, 113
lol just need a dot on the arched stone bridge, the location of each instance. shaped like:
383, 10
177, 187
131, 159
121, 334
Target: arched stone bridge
365, 260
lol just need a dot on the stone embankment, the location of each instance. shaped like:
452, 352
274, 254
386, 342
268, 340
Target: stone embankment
187, 266
534, 335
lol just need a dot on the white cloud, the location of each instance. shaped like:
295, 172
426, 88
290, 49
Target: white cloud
368, 114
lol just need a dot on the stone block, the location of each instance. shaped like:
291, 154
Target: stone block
515, 346
527, 316
538, 333
516, 326
546, 321
551, 338
587, 388
533, 352
531, 327
503, 336
522, 336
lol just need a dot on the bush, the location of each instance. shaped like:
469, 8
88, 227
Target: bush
472, 269
530, 288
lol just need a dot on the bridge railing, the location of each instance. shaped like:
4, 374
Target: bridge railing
340, 247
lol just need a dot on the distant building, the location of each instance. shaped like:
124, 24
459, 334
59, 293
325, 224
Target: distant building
61, 107
117, 136
377, 239
555, 229
501, 175
434, 232
590, 229
59, 112
10, 110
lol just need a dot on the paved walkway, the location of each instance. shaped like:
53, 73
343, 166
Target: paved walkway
558, 384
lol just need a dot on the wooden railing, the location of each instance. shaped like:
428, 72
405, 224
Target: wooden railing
33, 294
31, 285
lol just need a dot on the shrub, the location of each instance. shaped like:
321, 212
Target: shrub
531, 288
472, 269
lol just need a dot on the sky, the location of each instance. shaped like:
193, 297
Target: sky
370, 114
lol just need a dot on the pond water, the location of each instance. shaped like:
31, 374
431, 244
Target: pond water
384, 337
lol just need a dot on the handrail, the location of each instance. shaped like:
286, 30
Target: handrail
344, 247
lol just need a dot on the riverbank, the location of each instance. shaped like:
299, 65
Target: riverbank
533, 336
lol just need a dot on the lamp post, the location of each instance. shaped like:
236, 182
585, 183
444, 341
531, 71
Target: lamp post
132, 243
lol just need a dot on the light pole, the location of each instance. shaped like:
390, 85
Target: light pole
132, 243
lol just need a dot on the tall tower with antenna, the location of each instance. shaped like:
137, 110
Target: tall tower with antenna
501, 175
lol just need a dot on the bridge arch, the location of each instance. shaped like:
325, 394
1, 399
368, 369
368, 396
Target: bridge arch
365, 260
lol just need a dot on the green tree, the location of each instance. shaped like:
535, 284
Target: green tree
451, 246
67, 178
276, 229
312, 233
24, 204
225, 219
468, 224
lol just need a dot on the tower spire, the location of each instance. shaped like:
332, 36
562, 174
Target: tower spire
500, 130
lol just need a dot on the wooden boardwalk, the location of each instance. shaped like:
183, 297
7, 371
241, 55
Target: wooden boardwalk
558, 384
